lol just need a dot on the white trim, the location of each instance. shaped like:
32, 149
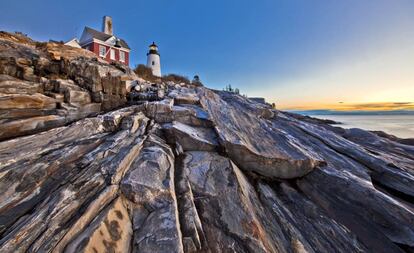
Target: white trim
104, 44
102, 54
123, 53
111, 39
112, 54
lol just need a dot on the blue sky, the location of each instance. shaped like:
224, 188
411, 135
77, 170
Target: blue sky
298, 53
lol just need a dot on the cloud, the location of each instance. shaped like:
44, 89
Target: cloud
342, 106
387, 106
403, 103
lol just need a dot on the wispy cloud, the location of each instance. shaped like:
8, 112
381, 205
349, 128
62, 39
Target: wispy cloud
341, 106
387, 106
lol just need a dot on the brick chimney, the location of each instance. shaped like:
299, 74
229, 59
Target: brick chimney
107, 25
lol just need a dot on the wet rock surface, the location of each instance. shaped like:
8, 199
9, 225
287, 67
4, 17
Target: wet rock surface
182, 168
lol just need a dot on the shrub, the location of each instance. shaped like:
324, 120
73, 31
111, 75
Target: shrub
145, 73
176, 79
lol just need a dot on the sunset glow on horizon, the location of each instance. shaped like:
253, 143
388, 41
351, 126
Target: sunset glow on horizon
385, 106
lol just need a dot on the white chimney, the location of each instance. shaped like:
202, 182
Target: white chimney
107, 25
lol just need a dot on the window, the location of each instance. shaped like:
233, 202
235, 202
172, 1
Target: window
121, 56
112, 54
102, 51
153, 63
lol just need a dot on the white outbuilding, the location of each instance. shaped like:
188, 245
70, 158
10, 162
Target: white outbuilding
153, 60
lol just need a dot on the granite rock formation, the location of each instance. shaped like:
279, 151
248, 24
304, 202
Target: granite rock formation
95, 159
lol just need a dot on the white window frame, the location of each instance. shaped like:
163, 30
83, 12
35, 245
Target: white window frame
121, 56
112, 54
102, 51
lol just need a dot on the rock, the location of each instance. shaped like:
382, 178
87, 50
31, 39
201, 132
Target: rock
11, 85
191, 115
307, 226
161, 94
111, 231
76, 112
19, 127
93, 210
190, 224
150, 184
251, 143
266, 113
60, 98
25, 101
78, 97
394, 172
112, 120
354, 201
191, 138
138, 88
33, 146
160, 110
183, 95
130, 84
73, 94
134, 122
227, 206
11, 114
52, 212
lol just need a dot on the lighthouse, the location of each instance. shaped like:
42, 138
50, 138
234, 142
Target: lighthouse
153, 60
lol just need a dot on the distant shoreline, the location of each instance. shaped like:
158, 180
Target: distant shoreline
334, 112
398, 125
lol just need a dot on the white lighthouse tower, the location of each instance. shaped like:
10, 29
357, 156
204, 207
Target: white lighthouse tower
153, 60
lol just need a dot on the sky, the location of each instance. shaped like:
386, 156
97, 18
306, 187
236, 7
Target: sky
299, 54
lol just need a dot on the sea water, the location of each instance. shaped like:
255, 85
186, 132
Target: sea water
399, 125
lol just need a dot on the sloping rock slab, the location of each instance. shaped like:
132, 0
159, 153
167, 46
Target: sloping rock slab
389, 168
375, 217
251, 143
227, 206
191, 138
111, 231
149, 185
307, 226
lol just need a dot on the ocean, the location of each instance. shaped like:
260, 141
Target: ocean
399, 125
